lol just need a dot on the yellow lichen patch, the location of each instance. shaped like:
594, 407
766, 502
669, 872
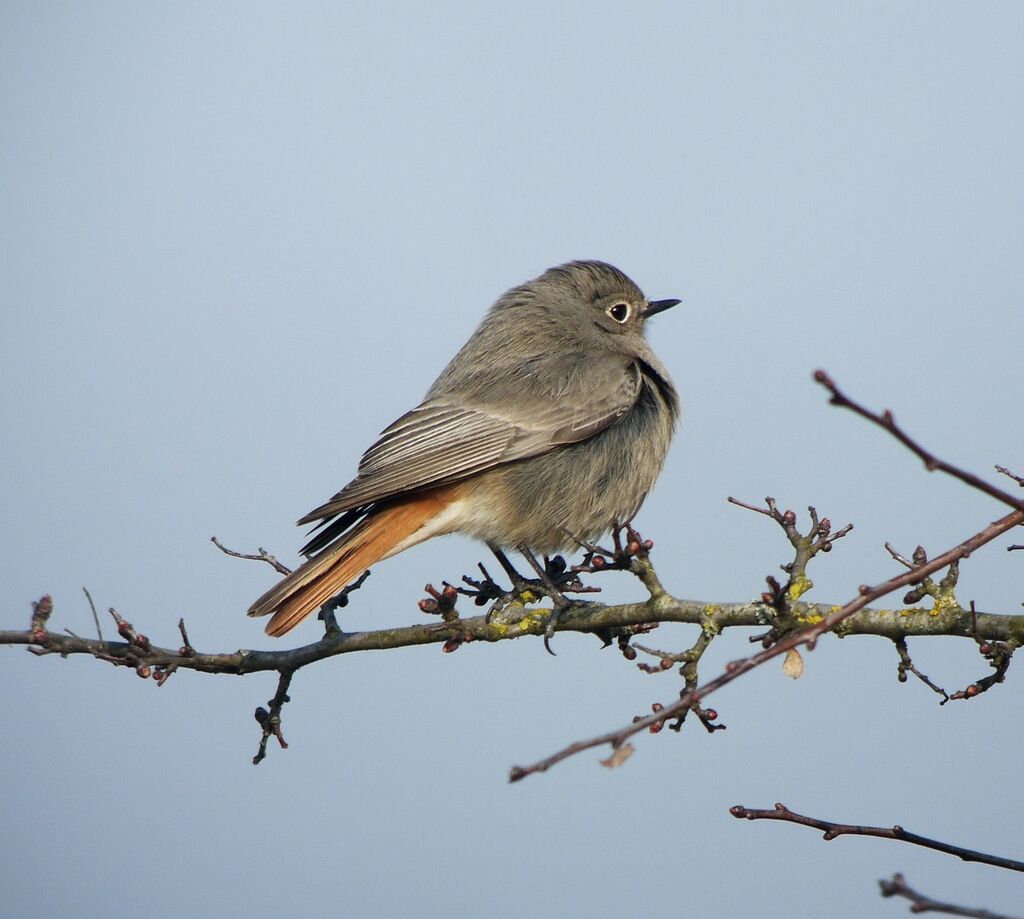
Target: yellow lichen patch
535, 621
798, 588
709, 626
810, 619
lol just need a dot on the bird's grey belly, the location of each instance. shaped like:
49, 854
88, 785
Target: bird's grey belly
575, 490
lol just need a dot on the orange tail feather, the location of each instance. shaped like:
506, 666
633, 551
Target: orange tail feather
312, 584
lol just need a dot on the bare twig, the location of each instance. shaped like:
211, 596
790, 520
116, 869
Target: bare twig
270, 721
887, 422
186, 649
261, 555
907, 665
95, 615
897, 887
1019, 479
832, 830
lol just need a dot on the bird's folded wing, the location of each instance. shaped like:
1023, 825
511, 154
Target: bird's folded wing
456, 435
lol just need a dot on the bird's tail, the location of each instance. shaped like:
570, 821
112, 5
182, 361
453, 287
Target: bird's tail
383, 533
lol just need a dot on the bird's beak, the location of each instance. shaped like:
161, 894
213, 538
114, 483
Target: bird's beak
659, 306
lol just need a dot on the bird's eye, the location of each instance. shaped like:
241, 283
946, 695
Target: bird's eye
619, 312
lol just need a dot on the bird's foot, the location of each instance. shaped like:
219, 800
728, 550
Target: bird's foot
627, 544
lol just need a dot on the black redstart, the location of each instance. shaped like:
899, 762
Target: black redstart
550, 426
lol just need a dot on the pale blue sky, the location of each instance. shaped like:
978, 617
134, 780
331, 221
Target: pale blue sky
238, 239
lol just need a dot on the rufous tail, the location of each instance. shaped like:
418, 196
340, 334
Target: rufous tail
313, 583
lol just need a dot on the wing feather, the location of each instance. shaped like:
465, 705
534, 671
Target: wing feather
458, 434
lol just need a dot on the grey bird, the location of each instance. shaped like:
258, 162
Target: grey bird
547, 429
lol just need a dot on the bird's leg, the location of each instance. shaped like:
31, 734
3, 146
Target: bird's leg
544, 573
488, 589
554, 580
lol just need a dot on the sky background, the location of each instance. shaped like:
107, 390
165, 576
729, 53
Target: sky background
238, 239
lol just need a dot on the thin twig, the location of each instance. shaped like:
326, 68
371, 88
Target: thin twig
95, 615
270, 721
832, 830
887, 422
907, 664
262, 555
897, 887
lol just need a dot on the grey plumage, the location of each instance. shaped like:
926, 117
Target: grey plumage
553, 420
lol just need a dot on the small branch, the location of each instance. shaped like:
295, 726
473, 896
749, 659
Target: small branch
887, 422
95, 615
270, 721
832, 830
807, 636
262, 555
1019, 479
186, 649
907, 665
897, 887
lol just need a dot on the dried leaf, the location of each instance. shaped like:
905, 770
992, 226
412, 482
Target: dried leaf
619, 755
793, 665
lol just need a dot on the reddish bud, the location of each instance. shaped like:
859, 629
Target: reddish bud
789, 518
665, 663
430, 607
598, 562
452, 644
972, 690
124, 629
710, 714
656, 727
142, 641
144, 671
656, 707
985, 648
629, 653
648, 544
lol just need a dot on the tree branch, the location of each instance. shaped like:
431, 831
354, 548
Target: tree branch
593, 619
832, 830
897, 887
